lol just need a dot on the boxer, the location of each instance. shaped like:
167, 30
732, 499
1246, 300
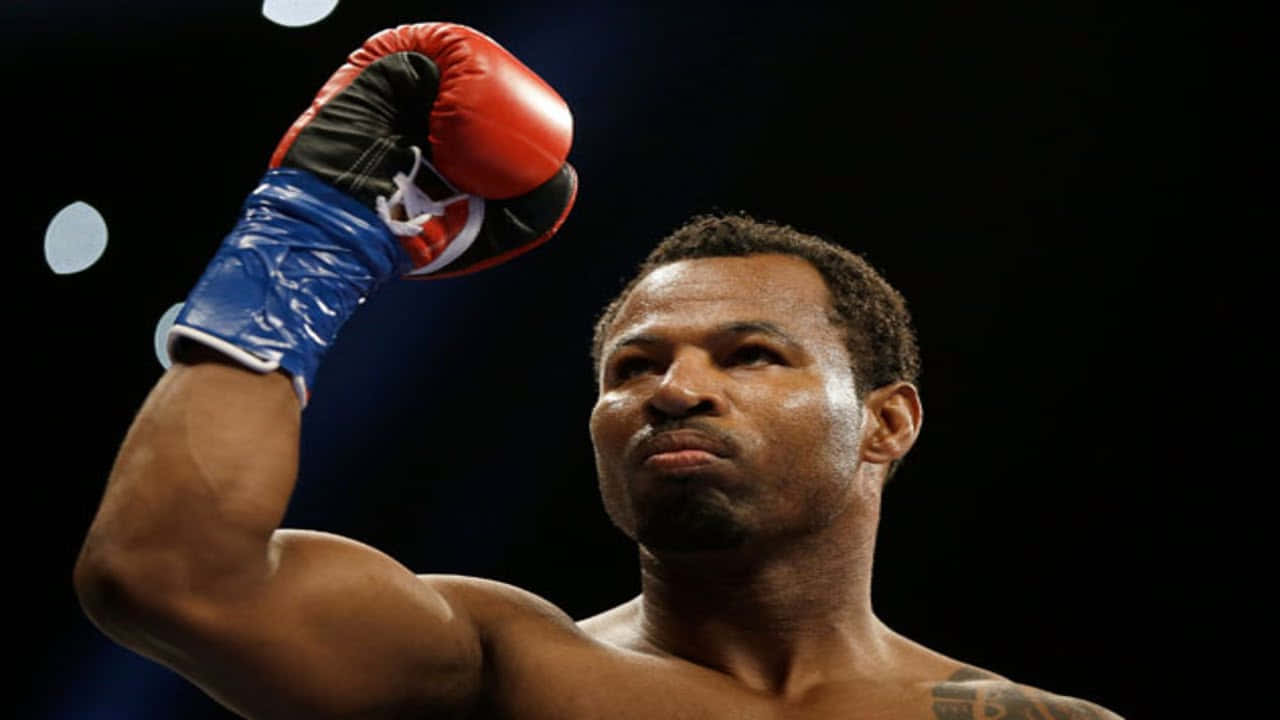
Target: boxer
756, 390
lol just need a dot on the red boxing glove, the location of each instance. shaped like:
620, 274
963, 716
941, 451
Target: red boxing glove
459, 148
483, 141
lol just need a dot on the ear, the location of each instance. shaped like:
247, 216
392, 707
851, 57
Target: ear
894, 416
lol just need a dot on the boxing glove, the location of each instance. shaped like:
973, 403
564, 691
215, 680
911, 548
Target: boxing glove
432, 152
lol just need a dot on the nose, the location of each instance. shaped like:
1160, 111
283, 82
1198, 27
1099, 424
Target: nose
690, 386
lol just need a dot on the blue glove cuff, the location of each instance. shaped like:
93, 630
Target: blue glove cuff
302, 258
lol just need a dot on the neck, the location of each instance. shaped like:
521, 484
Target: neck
780, 622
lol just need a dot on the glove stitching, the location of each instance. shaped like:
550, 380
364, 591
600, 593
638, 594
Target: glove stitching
389, 145
355, 174
403, 57
371, 155
347, 173
382, 147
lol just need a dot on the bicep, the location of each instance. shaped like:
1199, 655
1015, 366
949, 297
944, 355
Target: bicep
335, 628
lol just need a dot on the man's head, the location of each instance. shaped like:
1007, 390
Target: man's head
878, 329
745, 376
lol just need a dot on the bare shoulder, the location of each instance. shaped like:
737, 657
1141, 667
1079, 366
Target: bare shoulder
971, 693
496, 607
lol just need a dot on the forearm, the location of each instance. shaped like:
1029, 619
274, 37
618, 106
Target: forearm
184, 562
200, 483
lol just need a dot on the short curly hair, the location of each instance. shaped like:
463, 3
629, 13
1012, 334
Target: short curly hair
878, 330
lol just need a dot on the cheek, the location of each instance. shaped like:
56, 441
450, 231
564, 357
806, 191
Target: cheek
606, 431
824, 420
790, 426
844, 411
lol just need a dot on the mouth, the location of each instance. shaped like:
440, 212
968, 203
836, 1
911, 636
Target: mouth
679, 459
682, 449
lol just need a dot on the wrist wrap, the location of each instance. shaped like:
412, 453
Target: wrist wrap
302, 258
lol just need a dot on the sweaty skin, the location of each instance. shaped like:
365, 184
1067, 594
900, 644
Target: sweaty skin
730, 445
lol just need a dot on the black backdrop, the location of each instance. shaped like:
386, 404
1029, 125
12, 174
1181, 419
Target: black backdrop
1032, 176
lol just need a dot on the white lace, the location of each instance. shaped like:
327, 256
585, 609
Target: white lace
417, 206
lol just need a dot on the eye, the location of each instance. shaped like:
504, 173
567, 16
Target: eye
755, 356
631, 366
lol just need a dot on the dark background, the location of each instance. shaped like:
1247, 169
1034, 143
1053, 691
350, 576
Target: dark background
1036, 178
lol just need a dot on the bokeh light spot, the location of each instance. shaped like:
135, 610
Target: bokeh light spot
75, 238
296, 13
162, 334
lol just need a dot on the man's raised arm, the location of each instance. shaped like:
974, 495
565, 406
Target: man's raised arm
432, 152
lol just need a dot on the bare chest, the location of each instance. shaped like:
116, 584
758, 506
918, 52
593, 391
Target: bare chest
660, 694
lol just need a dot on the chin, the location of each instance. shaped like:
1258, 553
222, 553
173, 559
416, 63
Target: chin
689, 520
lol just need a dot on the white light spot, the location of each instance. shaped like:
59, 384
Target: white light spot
75, 238
296, 13
162, 334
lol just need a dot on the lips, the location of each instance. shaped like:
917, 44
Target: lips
683, 448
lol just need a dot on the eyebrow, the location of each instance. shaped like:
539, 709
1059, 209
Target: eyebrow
749, 327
